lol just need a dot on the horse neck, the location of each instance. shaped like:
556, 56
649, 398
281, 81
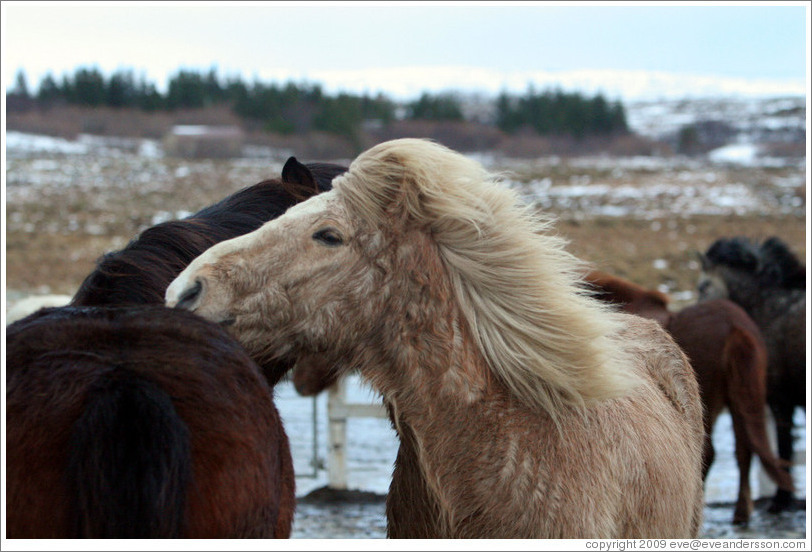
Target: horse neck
437, 364
762, 303
423, 356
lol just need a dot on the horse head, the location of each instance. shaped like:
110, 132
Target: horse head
410, 231
736, 266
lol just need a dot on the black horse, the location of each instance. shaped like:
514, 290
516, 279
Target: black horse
769, 282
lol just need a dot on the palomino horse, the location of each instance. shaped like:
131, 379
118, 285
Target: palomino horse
524, 407
140, 422
769, 283
729, 358
140, 273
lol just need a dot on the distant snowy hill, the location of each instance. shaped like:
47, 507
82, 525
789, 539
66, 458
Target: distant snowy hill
742, 131
779, 119
406, 83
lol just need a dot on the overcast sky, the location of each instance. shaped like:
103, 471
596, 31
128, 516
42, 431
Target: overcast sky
400, 49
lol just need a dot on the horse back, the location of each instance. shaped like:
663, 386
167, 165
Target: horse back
630, 297
150, 417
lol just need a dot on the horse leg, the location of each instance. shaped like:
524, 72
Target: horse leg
745, 363
783, 430
744, 502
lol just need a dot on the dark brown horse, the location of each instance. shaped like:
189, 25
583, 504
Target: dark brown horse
140, 422
140, 273
729, 358
769, 282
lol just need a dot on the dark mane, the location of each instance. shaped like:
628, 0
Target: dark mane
772, 263
735, 252
785, 264
140, 272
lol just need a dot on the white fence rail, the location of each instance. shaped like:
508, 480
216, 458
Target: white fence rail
338, 411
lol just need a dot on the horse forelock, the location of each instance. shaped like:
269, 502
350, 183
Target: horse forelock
516, 286
736, 252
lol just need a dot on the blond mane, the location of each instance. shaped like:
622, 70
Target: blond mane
517, 287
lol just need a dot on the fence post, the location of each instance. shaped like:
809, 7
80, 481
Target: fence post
337, 436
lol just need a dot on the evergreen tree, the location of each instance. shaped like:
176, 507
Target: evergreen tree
147, 96
443, 107
340, 115
87, 87
555, 112
121, 90
213, 92
379, 108
48, 90
508, 118
21, 85
186, 89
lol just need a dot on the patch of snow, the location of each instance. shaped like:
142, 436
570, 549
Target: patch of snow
28, 305
150, 149
182, 171
31, 143
737, 154
190, 130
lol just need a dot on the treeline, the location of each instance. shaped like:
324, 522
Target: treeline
557, 112
291, 108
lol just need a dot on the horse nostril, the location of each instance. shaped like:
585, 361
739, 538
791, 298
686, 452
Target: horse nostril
190, 296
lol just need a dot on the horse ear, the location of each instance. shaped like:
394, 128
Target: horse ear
296, 173
298, 179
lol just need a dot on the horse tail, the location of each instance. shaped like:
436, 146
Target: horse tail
129, 462
746, 359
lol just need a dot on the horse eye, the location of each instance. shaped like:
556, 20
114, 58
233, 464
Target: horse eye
329, 237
